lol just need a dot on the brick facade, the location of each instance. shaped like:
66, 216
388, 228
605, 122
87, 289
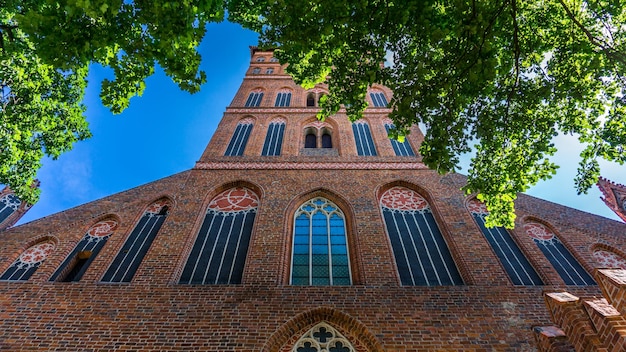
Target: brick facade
265, 312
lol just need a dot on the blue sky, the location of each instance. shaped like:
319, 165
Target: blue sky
166, 130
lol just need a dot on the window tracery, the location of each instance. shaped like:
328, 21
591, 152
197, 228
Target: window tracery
320, 250
323, 338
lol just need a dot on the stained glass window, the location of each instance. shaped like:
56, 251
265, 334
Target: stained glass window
513, 260
137, 244
9, 203
320, 250
561, 259
363, 139
379, 100
240, 138
400, 148
274, 138
28, 262
421, 253
219, 252
77, 262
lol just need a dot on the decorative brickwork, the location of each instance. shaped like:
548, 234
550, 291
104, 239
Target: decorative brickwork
614, 196
588, 324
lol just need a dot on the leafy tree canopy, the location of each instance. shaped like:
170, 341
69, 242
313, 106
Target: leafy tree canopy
503, 76
45, 49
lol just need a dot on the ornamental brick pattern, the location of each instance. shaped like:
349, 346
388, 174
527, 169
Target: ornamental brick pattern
264, 312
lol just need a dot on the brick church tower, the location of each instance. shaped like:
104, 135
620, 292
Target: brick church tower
292, 234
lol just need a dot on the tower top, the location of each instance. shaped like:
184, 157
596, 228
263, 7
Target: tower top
614, 196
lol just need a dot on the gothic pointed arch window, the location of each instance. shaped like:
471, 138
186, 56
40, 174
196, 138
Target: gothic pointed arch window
421, 253
363, 138
323, 338
319, 253
283, 98
609, 259
378, 99
518, 268
255, 97
240, 138
400, 148
9, 204
28, 262
559, 256
274, 138
85, 251
127, 261
219, 252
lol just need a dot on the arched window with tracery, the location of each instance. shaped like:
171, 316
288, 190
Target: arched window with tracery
219, 252
320, 249
255, 97
274, 138
608, 259
400, 148
421, 253
323, 338
85, 251
283, 98
379, 99
363, 138
559, 256
28, 262
138, 243
513, 260
240, 138
9, 204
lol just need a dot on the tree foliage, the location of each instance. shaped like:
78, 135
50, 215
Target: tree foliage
503, 76
40, 109
46, 48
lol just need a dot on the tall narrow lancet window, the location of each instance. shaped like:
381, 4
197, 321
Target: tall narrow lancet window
379, 100
320, 251
137, 244
561, 259
28, 262
513, 260
77, 262
283, 99
9, 203
240, 138
323, 337
400, 148
363, 139
421, 253
274, 138
254, 99
219, 252
607, 259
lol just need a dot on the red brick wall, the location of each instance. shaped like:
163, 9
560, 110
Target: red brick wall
265, 313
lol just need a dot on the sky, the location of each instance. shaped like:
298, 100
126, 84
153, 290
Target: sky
166, 130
